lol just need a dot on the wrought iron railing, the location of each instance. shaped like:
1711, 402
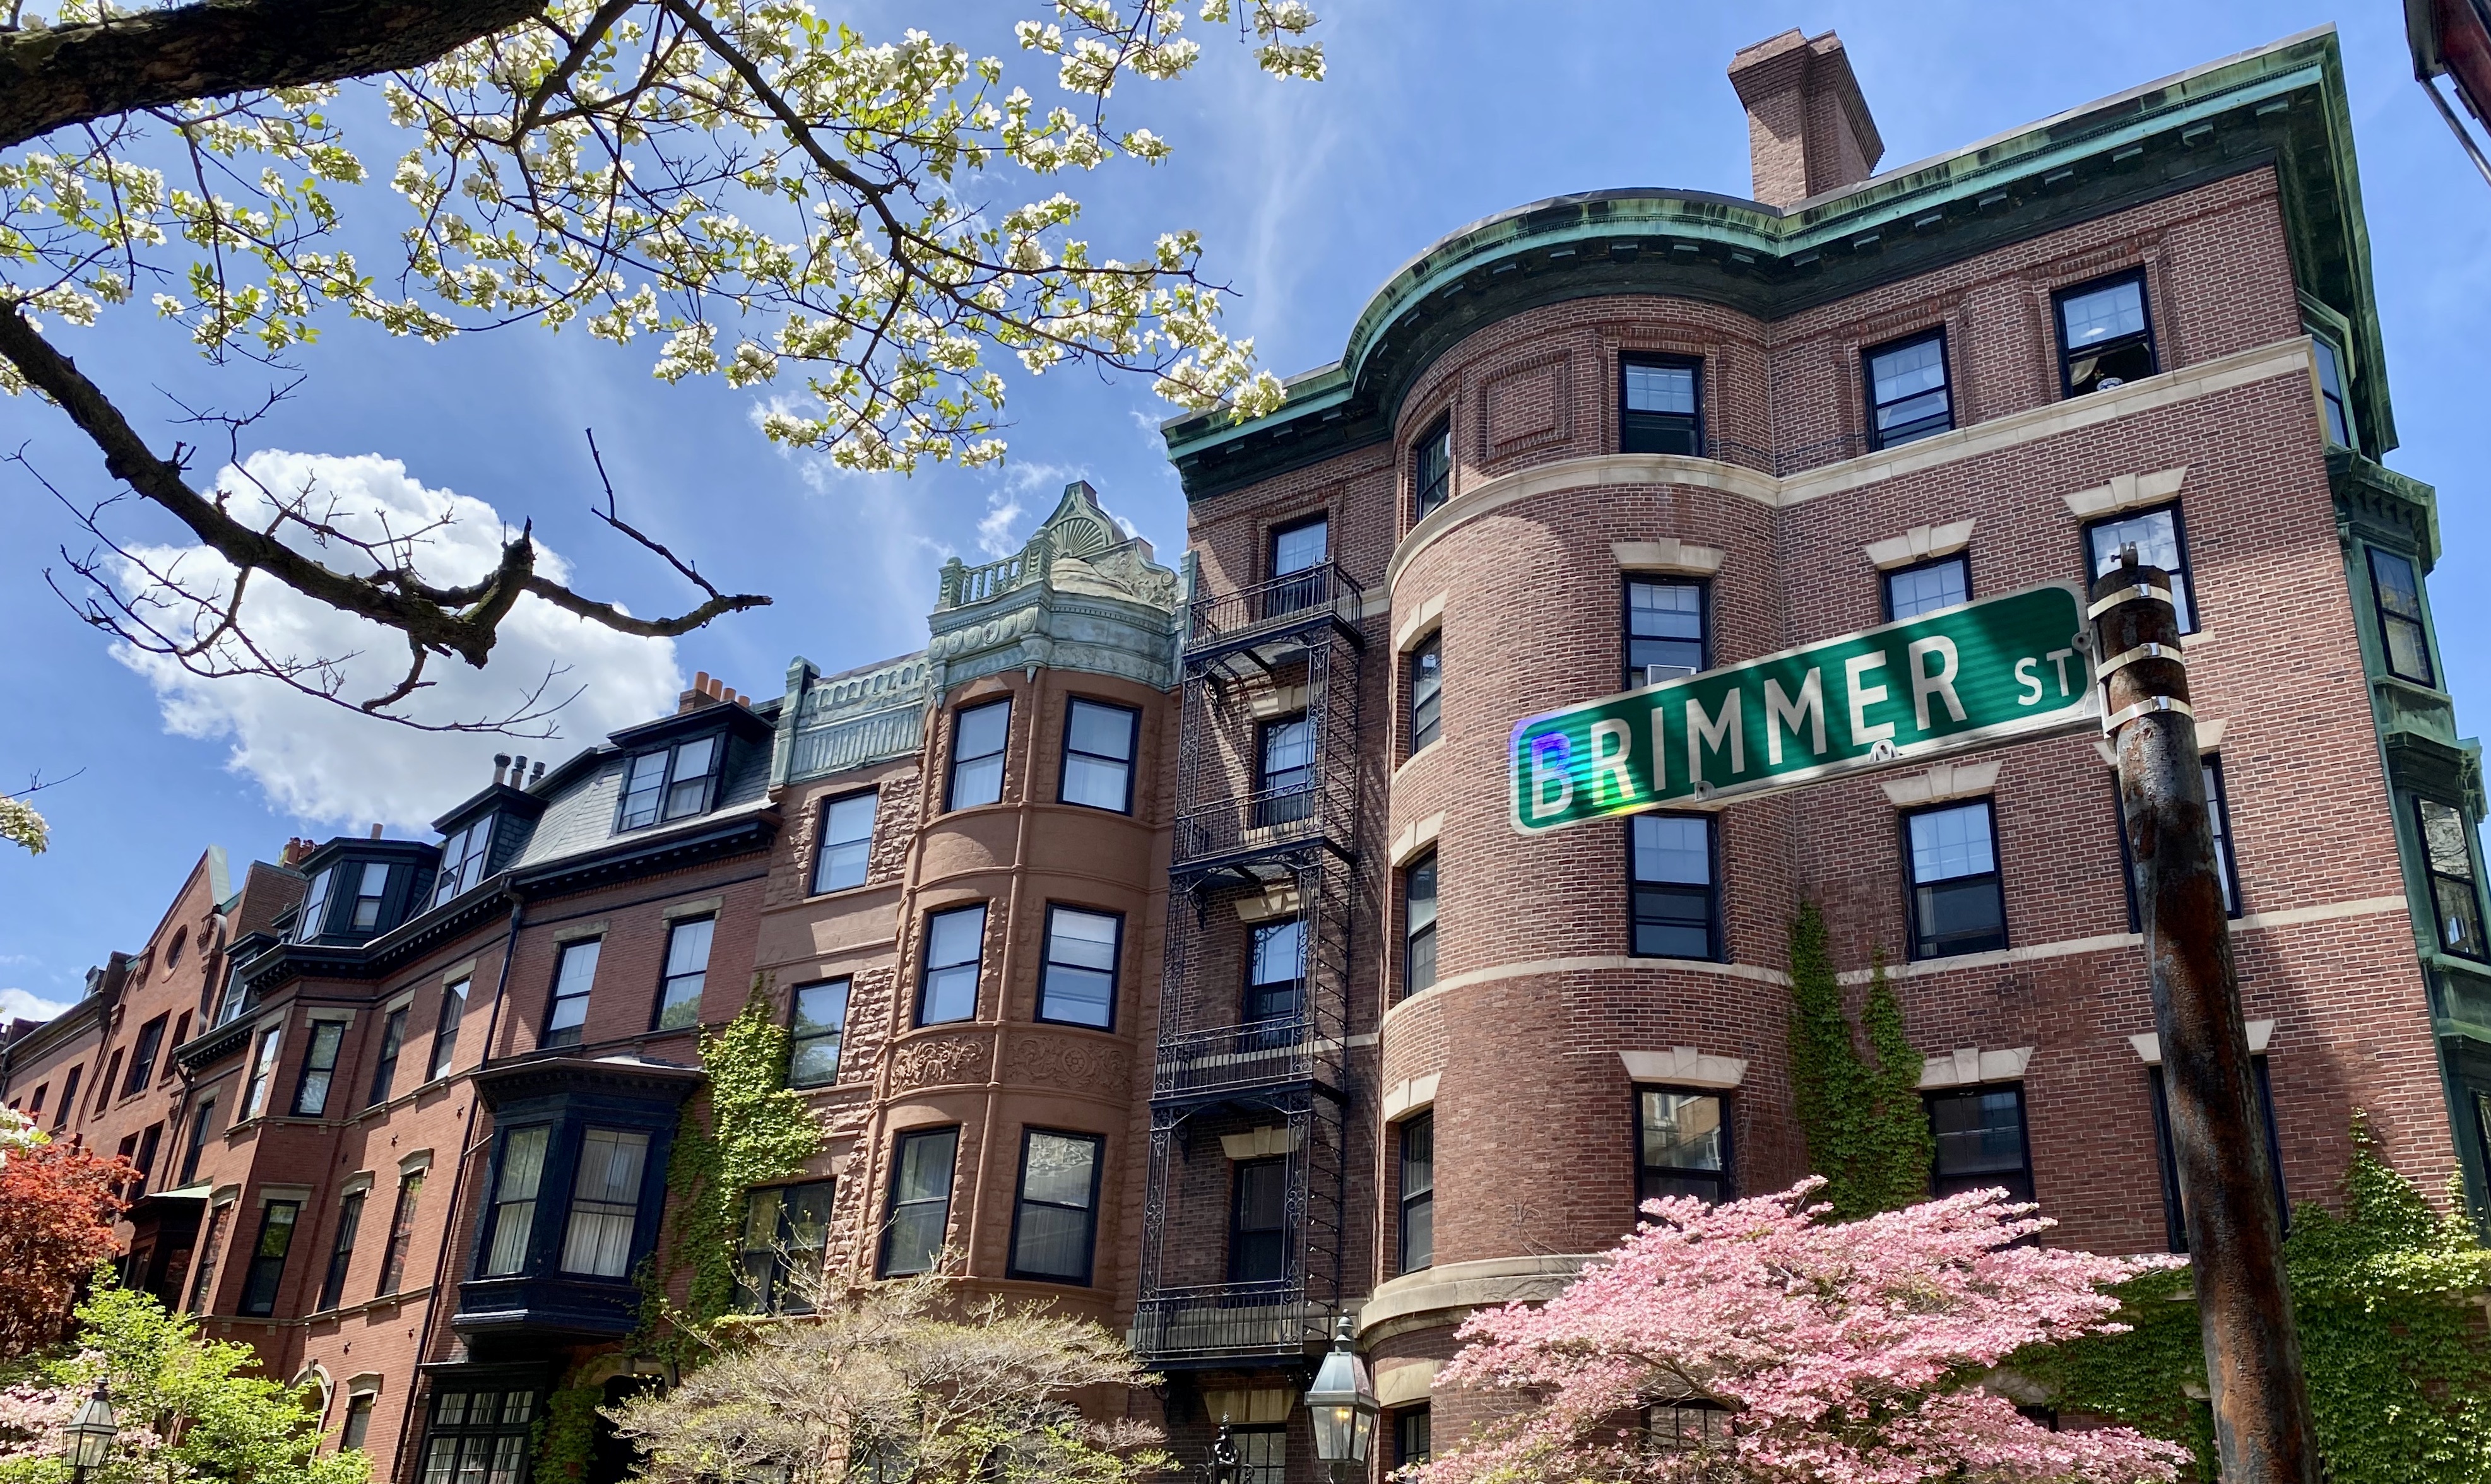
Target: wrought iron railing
1223, 1058
1223, 1319
1300, 600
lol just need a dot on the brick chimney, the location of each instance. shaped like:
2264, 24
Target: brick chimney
1808, 129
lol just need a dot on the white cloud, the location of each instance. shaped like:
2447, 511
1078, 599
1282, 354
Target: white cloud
17, 1003
320, 762
995, 527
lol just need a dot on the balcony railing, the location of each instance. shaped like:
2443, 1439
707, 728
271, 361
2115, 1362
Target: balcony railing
1217, 1320
1270, 820
1257, 1054
1268, 610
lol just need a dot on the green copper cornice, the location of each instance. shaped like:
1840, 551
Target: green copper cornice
2281, 106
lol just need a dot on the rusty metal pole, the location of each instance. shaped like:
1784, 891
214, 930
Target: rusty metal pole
2262, 1422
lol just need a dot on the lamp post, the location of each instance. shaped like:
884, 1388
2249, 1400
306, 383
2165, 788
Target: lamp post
91, 1435
1342, 1403
1221, 1466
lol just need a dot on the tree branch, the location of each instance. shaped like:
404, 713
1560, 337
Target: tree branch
55, 76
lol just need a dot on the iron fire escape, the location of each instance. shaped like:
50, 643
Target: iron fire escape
1244, 1074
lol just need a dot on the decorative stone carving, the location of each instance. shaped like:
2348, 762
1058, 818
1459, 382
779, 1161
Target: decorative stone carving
1080, 595
1071, 1063
941, 1061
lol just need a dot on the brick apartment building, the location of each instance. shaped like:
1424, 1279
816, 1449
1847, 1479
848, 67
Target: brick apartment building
1154, 940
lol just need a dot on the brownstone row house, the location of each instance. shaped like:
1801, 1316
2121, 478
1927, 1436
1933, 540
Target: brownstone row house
1154, 940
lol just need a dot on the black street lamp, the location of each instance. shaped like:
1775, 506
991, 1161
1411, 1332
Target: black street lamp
1342, 1403
91, 1436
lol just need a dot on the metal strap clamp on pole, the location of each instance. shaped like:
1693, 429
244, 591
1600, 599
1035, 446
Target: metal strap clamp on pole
2146, 707
2147, 650
2139, 593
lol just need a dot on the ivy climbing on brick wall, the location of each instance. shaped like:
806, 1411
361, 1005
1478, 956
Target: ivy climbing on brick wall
2389, 1298
1867, 1130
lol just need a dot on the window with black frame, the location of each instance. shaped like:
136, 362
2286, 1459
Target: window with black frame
1298, 552
2174, 1201
1665, 637
445, 1028
1912, 591
604, 1216
1908, 395
462, 860
818, 1022
1276, 972
2159, 541
954, 954
1660, 404
1431, 468
513, 1217
1679, 1427
1055, 1221
2446, 845
1410, 1440
575, 975
313, 917
1286, 786
1676, 900
142, 1056
203, 1122
477, 1437
371, 890
845, 852
786, 1230
2335, 411
341, 1254
978, 734
1981, 1142
385, 1065
671, 783
2105, 335
2219, 815
1098, 742
1258, 1226
1958, 899
319, 1068
276, 1222
1262, 1454
921, 1201
1418, 926
401, 1232
2395, 594
1418, 1231
1426, 691
1077, 986
1682, 1145
686, 975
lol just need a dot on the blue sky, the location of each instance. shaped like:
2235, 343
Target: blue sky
1309, 196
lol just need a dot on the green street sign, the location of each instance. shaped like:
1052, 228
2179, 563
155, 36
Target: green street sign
2007, 667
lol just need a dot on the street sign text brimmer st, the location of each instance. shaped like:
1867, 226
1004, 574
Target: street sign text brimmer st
1993, 670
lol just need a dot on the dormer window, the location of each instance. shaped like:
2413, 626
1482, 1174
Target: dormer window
671, 783
316, 907
373, 886
462, 860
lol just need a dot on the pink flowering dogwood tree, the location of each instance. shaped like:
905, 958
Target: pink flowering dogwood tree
1835, 1354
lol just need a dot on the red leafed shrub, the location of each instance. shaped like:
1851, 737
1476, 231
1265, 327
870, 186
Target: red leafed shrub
57, 1206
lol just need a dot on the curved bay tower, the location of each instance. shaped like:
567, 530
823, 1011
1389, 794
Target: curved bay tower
1154, 943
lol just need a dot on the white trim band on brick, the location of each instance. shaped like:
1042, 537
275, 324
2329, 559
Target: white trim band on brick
1669, 554
2127, 492
1410, 1095
1920, 543
1684, 1066
1416, 836
1455, 1289
1262, 1143
1970, 1066
1945, 781
2149, 1046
